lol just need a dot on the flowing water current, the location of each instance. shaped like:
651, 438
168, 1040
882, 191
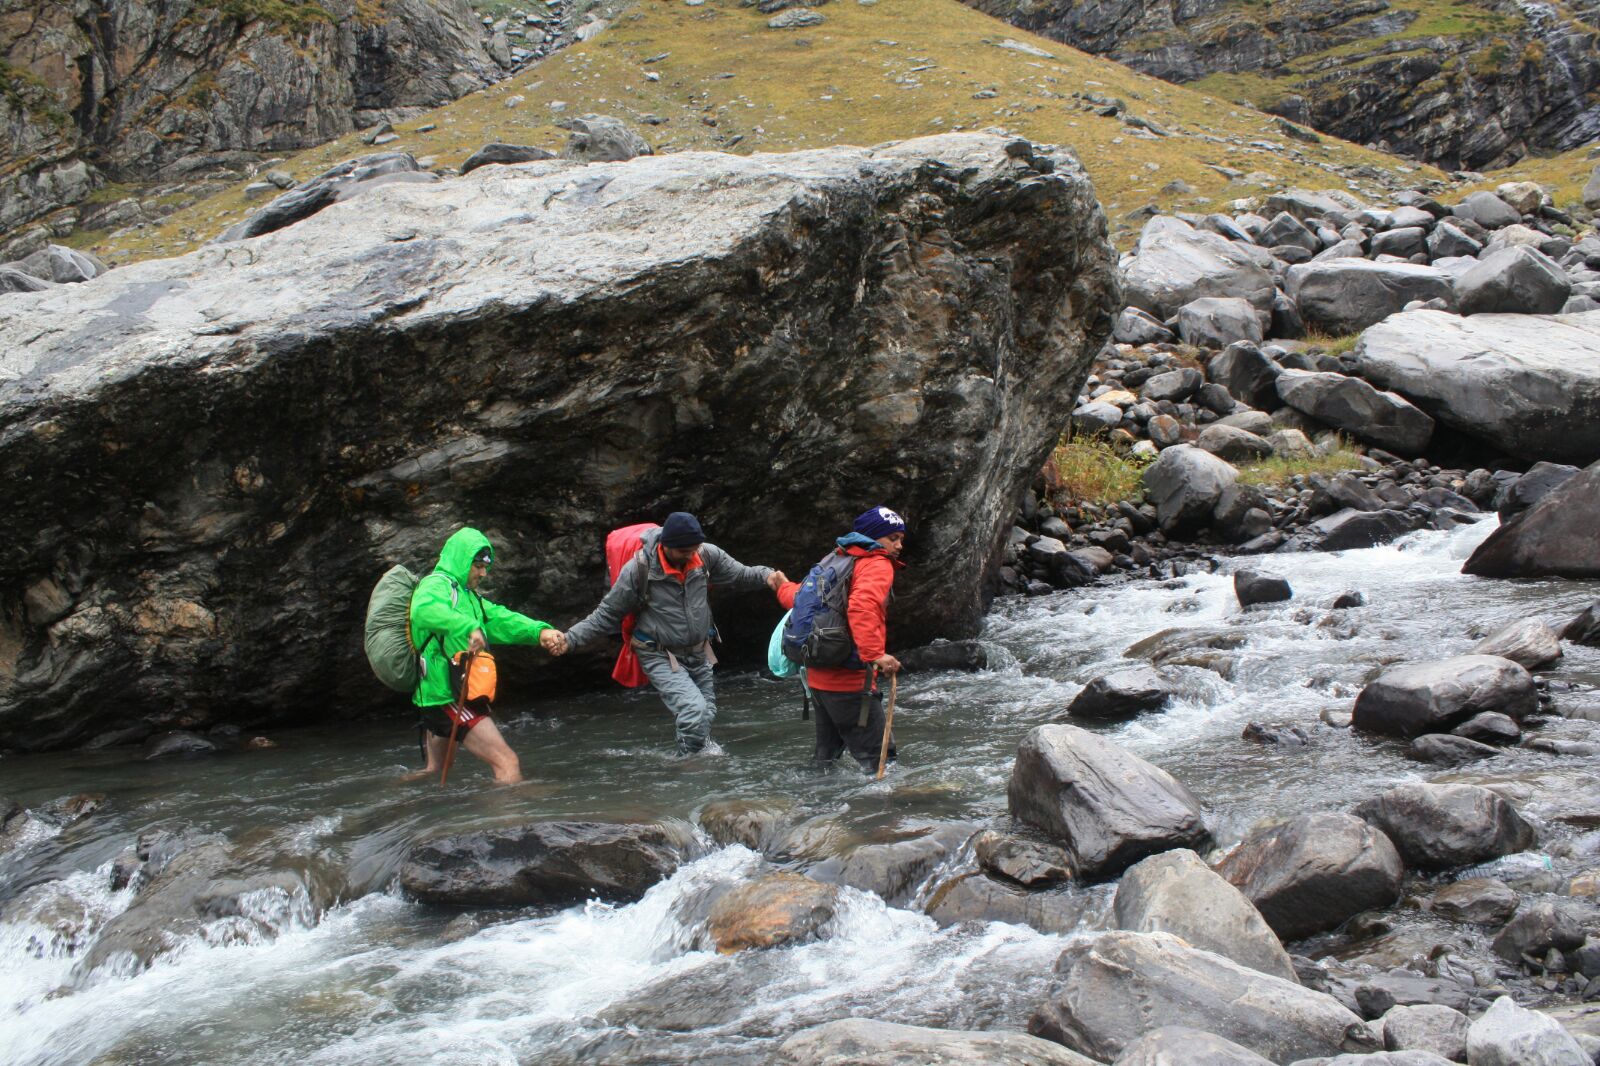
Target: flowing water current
369, 977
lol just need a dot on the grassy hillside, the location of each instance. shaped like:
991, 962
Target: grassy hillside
1563, 176
715, 76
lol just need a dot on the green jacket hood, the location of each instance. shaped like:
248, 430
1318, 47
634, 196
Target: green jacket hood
455, 559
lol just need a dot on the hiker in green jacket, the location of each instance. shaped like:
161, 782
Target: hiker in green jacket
448, 616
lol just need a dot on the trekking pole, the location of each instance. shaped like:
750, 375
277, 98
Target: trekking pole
866, 696
455, 722
888, 724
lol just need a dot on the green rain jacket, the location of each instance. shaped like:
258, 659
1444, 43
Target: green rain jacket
443, 606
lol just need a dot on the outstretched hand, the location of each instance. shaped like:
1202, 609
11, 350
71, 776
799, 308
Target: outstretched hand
776, 580
553, 641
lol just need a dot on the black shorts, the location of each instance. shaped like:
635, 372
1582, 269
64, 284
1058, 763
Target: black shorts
438, 720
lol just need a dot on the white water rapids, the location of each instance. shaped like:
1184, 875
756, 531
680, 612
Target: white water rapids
377, 979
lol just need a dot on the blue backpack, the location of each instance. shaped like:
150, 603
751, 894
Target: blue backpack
817, 632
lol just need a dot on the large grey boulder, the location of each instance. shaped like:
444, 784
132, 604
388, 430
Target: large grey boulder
1516, 280
1111, 989
1529, 385
1175, 264
602, 139
1177, 1045
1135, 326
1122, 693
1529, 643
864, 1042
1487, 210
1233, 445
1334, 205
1556, 536
1185, 484
1429, 1027
542, 863
1311, 873
1347, 295
1107, 806
504, 155
1175, 892
1218, 321
343, 181
377, 372
60, 264
15, 279
1540, 480
1247, 373
1351, 405
977, 897
1433, 697
1510, 1035
1352, 528
1438, 827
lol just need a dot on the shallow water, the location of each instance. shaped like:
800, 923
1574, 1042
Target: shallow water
372, 980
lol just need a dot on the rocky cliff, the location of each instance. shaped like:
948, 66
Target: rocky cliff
98, 91
210, 459
1464, 84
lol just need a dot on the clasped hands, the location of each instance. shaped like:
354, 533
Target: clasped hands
554, 641
776, 580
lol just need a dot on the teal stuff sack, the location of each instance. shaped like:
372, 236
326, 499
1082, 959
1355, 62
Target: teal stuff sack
779, 663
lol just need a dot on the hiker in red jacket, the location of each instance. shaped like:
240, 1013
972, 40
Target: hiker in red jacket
872, 552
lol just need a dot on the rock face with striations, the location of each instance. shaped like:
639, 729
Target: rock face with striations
212, 458
136, 90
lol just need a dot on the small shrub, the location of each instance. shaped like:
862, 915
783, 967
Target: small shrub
1090, 470
1279, 469
1330, 344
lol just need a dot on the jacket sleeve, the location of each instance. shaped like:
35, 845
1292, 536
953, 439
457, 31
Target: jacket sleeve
621, 600
725, 571
786, 594
502, 625
869, 605
432, 612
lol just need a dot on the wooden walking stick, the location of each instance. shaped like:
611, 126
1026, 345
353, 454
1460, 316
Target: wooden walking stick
888, 723
455, 722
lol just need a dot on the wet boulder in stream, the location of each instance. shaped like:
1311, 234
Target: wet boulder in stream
1554, 537
1106, 806
1432, 697
1438, 827
375, 372
780, 908
1529, 643
543, 863
1175, 892
1312, 873
1110, 990
1251, 587
1122, 693
864, 1042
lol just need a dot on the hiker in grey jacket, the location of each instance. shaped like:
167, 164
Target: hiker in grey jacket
665, 586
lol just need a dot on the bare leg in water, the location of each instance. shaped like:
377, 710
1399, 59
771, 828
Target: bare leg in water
484, 741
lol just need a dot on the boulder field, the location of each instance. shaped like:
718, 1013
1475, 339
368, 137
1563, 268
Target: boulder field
209, 460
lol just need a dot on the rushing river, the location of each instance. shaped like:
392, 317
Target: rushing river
377, 979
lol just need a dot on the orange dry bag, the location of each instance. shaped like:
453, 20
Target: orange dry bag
474, 678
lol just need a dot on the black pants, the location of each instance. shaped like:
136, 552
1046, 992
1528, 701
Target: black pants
838, 717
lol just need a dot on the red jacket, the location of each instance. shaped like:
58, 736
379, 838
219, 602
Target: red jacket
867, 611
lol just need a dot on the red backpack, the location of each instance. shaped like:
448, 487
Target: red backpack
622, 546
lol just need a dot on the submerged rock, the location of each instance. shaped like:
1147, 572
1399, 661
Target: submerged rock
1106, 806
780, 908
542, 862
1175, 892
1555, 537
1111, 989
862, 1042
675, 301
1122, 693
1417, 698
1437, 827
1313, 872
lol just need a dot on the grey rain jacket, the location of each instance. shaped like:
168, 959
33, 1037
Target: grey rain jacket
675, 616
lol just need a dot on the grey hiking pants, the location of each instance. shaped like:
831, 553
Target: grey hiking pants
688, 692
838, 716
